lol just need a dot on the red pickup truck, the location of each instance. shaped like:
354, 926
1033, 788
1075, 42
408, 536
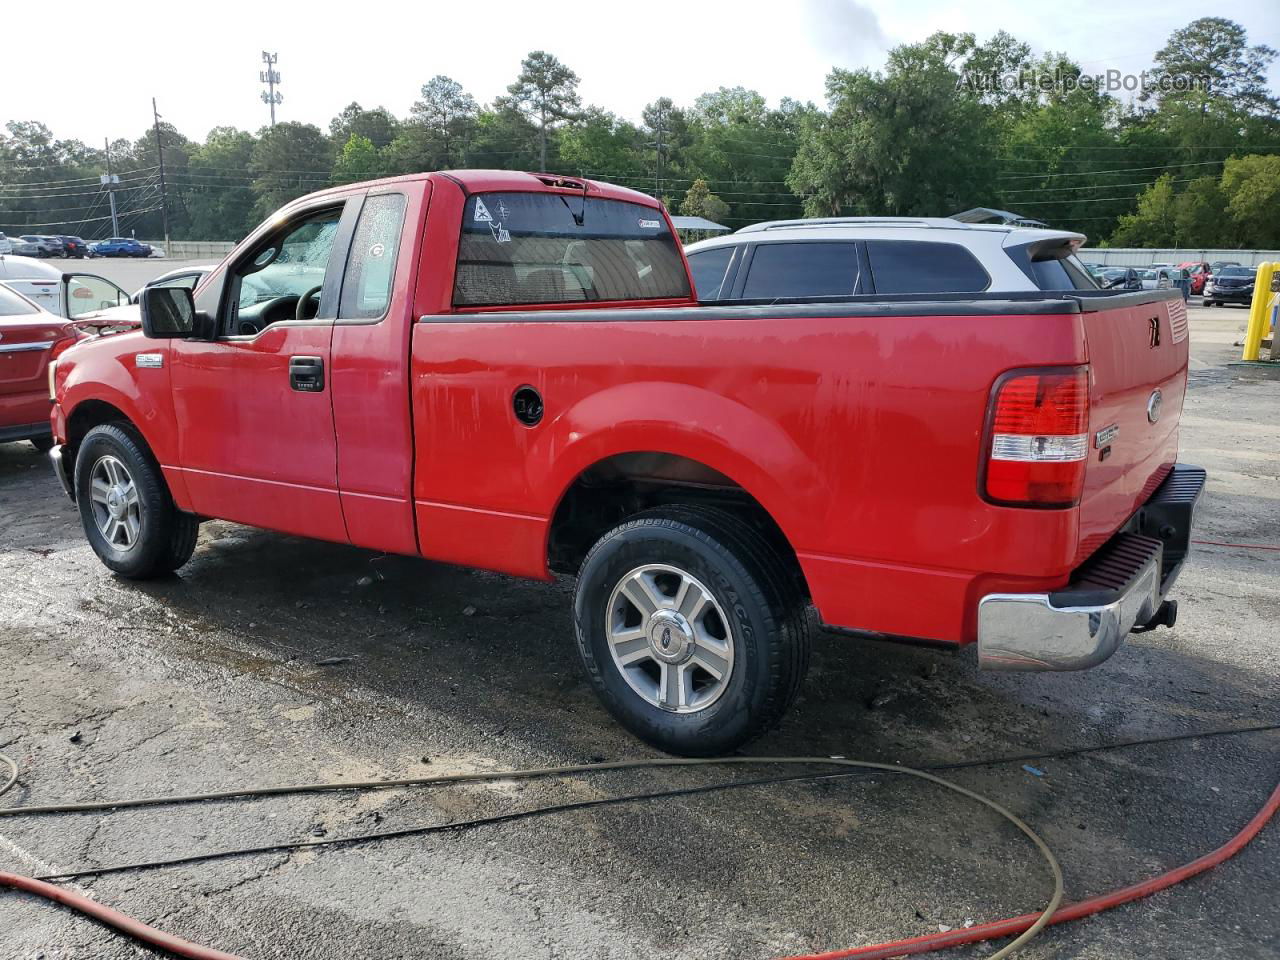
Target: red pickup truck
511, 371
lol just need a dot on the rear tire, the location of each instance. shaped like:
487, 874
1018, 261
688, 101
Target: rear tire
717, 592
125, 507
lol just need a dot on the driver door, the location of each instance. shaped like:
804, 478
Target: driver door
253, 404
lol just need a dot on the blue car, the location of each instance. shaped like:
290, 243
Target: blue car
121, 247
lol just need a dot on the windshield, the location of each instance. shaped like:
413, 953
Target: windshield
1236, 272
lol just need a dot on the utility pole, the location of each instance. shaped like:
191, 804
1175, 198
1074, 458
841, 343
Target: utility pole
660, 146
164, 196
270, 77
109, 180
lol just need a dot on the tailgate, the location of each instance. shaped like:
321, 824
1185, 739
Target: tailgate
1138, 348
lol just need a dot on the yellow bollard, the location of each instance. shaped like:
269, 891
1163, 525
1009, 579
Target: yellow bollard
1259, 314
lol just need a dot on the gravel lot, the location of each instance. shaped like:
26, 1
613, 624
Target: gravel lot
210, 679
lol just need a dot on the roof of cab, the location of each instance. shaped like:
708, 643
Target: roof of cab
488, 181
512, 181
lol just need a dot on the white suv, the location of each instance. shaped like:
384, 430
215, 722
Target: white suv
849, 256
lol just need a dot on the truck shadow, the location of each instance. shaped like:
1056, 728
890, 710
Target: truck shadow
498, 653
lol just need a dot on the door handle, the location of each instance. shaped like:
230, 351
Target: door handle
306, 374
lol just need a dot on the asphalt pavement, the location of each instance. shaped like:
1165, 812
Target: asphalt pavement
214, 678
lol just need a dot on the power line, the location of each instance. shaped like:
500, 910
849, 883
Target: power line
1093, 186
65, 223
1100, 173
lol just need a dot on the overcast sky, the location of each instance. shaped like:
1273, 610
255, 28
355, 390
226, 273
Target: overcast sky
90, 70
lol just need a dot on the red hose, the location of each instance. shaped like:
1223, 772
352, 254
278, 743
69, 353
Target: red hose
898, 948
113, 918
1242, 546
1074, 911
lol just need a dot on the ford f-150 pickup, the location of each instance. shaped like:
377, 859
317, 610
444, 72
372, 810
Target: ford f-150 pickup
511, 371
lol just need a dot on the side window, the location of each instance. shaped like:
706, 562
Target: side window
708, 268
371, 264
283, 269
812, 269
922, 266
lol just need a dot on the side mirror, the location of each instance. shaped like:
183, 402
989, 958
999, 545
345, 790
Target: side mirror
167, 312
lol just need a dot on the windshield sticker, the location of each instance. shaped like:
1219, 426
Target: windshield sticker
482, 212
650, 224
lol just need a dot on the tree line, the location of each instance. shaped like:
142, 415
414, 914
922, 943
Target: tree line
947, 124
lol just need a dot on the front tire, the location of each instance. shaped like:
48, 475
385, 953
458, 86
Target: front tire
691, 629
125, 506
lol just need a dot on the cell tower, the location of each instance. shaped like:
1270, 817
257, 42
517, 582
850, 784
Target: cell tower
271, 78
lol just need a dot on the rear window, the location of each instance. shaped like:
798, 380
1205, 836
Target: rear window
1061, 274
811, 269
12, 305
525, 248
923, 266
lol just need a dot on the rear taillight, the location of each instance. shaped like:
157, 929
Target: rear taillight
1038, 438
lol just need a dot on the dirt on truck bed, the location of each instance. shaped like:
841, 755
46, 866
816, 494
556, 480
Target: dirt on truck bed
273, 660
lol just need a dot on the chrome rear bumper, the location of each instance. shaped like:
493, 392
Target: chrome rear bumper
1119, 588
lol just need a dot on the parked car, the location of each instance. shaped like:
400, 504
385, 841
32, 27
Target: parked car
71, 295
1233, 284
1158, 278
121, 247
1120, 278
74, 247
6, 246
41, 246
188, 277
30, 338
34, 279
23, 248
1199, 272
851, 256
456, 390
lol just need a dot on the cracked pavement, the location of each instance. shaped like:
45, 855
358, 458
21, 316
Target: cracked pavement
210, 679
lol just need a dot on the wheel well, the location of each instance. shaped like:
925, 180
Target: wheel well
609, 491
85, 417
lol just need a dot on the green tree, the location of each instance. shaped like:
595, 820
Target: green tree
1154, 223
603, 146
289, 160
699, 201
1252, 187
1197, 215
908, 141
1217, 49
378, 125
546, 92
438, 131
504, 139
218, 194
357, 161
